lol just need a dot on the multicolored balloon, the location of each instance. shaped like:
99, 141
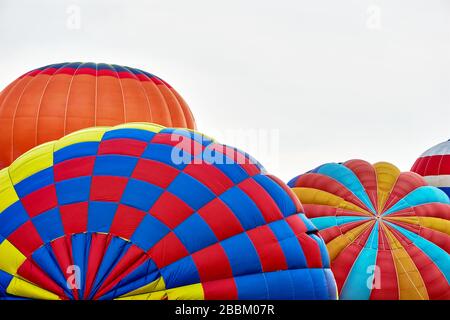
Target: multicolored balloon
434, 166
140, 211
387, 232
47, 103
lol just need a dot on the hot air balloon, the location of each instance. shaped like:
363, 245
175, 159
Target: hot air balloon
140, 211
434, 166
387, 232
50, 102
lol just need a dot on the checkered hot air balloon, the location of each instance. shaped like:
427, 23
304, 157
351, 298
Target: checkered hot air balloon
434, 166
47, 103
140, 211
387, 232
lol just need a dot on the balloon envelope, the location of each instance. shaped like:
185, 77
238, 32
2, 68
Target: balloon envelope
50, 102
140, 211
387, 232
434, 166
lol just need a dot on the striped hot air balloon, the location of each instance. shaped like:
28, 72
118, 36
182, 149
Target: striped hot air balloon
140, 211
434, 166
387, 232
50, 102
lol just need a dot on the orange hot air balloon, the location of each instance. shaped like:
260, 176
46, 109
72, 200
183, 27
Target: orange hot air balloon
47, 103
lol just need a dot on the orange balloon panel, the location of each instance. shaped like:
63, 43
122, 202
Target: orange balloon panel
47, 103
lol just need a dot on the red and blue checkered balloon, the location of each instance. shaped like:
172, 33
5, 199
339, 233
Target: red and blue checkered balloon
140, 211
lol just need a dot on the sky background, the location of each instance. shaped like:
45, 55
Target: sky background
316, 81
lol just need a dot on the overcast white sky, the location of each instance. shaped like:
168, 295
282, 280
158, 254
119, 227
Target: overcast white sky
337, 80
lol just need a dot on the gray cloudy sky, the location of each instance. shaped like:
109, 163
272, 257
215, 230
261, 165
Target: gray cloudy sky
333, 80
